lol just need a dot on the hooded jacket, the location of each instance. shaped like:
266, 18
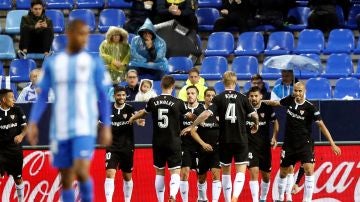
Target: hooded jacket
144, 97
141, 56
201, 86
28, 21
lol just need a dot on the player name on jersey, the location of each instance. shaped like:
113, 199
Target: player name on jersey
163, 102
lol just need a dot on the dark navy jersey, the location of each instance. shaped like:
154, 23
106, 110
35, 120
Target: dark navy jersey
187, 141
209, 130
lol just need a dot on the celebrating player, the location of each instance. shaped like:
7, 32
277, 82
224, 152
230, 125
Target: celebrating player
298, 144
260, 145
232, 108
79, 81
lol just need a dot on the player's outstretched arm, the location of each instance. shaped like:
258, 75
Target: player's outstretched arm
327, 134
273, 103
275, 133
201, 118
197, 138
138, 115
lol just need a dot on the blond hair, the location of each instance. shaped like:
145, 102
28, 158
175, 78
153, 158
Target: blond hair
229, 78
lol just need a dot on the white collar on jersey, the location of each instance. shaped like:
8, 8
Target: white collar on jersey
165, 94
5, 110
228, 89
193, 107
300, 103
121, 107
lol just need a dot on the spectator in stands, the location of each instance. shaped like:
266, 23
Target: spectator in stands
326, 9
257, 80
286, 86
194, 79
131, 86
235, 13
148, 52
115, 51
182, 11
140, 10
36, 31
146, 91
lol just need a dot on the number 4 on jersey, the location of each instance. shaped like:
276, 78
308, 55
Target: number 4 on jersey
230, 114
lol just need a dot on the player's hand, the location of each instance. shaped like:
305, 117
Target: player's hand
33, 134
207, 147
224, 11
131, 120
273, 142
254, 128
190, 116
18, 139
141, 122
186, 131
105, 136
336, 150
295, 189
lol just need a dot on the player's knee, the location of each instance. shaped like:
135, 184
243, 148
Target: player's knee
254, 173
226, 169
110, 173
283, 172
184, 173
202, 178
266, 178
127, 176
18, 181
215, 174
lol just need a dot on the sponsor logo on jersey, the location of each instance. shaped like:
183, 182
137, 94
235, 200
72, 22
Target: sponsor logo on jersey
119, 123
12, 116
262, 115
125, 116
8, 126
302, 112
296, 116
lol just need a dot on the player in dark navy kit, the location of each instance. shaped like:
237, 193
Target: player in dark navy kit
298, 143
12, 132
120, 154
207, 135
166, 112
232, 108
260, 145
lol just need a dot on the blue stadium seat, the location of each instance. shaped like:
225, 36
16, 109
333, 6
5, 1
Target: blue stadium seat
1, 68
357, 73
59, 43
247, 86
357, 49
245, 66
306, 74
351, 22
7, 51
301, 15
86, 15
338, 65
220, 43
210, 3
59, 4
250, 43
119, 4
340, 15
13, 20
213, 67
23, 4
219, 87
264, 28
340, 41
89, 3
20, 70
270, 73
111, 17
310, 41
347, 87
58, 20
94, 42
318, 89
280, 43
157, 88
5, 4
179, 67
206, 18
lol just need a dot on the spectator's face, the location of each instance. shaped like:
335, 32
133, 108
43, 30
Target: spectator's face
78, 38
132, 79
37, 10
287, 77
191, 95
145, 87
194, 78
147, 35
257, 82
34, 75
116, 38
254, 98
9, 99
120, 97
209, 97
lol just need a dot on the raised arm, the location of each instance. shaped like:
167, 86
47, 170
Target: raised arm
273, 103
197, 138
201, 118
327, 134
275, 133
138, 115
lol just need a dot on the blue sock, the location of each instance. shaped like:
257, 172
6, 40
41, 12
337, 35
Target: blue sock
86, 192
68, 195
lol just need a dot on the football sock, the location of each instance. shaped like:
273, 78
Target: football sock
308, 188
127, 188
20, 191
264, 190
227, 187
289, 185
184, 190
238, 184
86, 191
160, 187
202, 188
254, 188
109, 189
281, 188
216, 190
174, 185
68, 195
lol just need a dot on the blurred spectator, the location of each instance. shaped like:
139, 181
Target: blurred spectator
148, 52
326, 9
140, 10
286, 86
182, 11
29, 94
115, 51
193, 80
235, 13
36, 31
131, 86
257, 80
146, 91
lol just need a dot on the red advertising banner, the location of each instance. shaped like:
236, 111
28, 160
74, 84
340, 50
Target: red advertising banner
337, 178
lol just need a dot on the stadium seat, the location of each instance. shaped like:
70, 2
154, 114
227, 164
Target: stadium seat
20, 70
306, 74
23, 4
179, 67
210, 3
250, 43
220, 44
157, 88
351, 22
270, 73
89, 3
357, 49
280, 43
245, 66
347, 87
301, 15
357, 73
340, 41
340, 15
58, 20
7, 51
94, 42
310, 41
213, 67
131, 36
119, 4
1, 68
206, 18
264, 28
13, 20
338, 65
86, 15
59, 4
111, 17
247, 86
219, 87
318, 89
59, 43
5, 4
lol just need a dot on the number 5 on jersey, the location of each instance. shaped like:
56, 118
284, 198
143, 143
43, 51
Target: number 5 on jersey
230, 114
163, 119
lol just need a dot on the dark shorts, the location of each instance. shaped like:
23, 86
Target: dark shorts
260, 158
290, 157
229, 151
167, 155
189, 158
208, 160
12, 164
123, 160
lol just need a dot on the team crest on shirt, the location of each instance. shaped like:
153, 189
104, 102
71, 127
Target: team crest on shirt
124, 115
301, 112
12, 116
262, 115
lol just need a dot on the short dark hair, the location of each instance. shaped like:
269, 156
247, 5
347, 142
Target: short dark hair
256, 77
3, 92
254, 89
194, 69
75, 24
36, 2
209, 89
119, 89
167, 81
194, 87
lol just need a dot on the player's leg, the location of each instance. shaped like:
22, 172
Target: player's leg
109, 185
264, 185
128, 185
174, 164
225, 162
14, 168
254, 183
289, 183
309, 182
184, 184
159, 165
19, 185
296, 189
126, 165
241, 154
202, 170
216, 184
287, 159
67, 179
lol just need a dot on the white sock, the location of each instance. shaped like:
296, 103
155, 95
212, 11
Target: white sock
289, 185
264, 190
281, 188
238, 184
216, 190
184, 190
174, 185
254, 188
308, 188
20, 191
127, 188
227, 187
160, 187
109, 189
202, 188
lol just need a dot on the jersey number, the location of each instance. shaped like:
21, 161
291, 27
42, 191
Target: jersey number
230, 113
163, 119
